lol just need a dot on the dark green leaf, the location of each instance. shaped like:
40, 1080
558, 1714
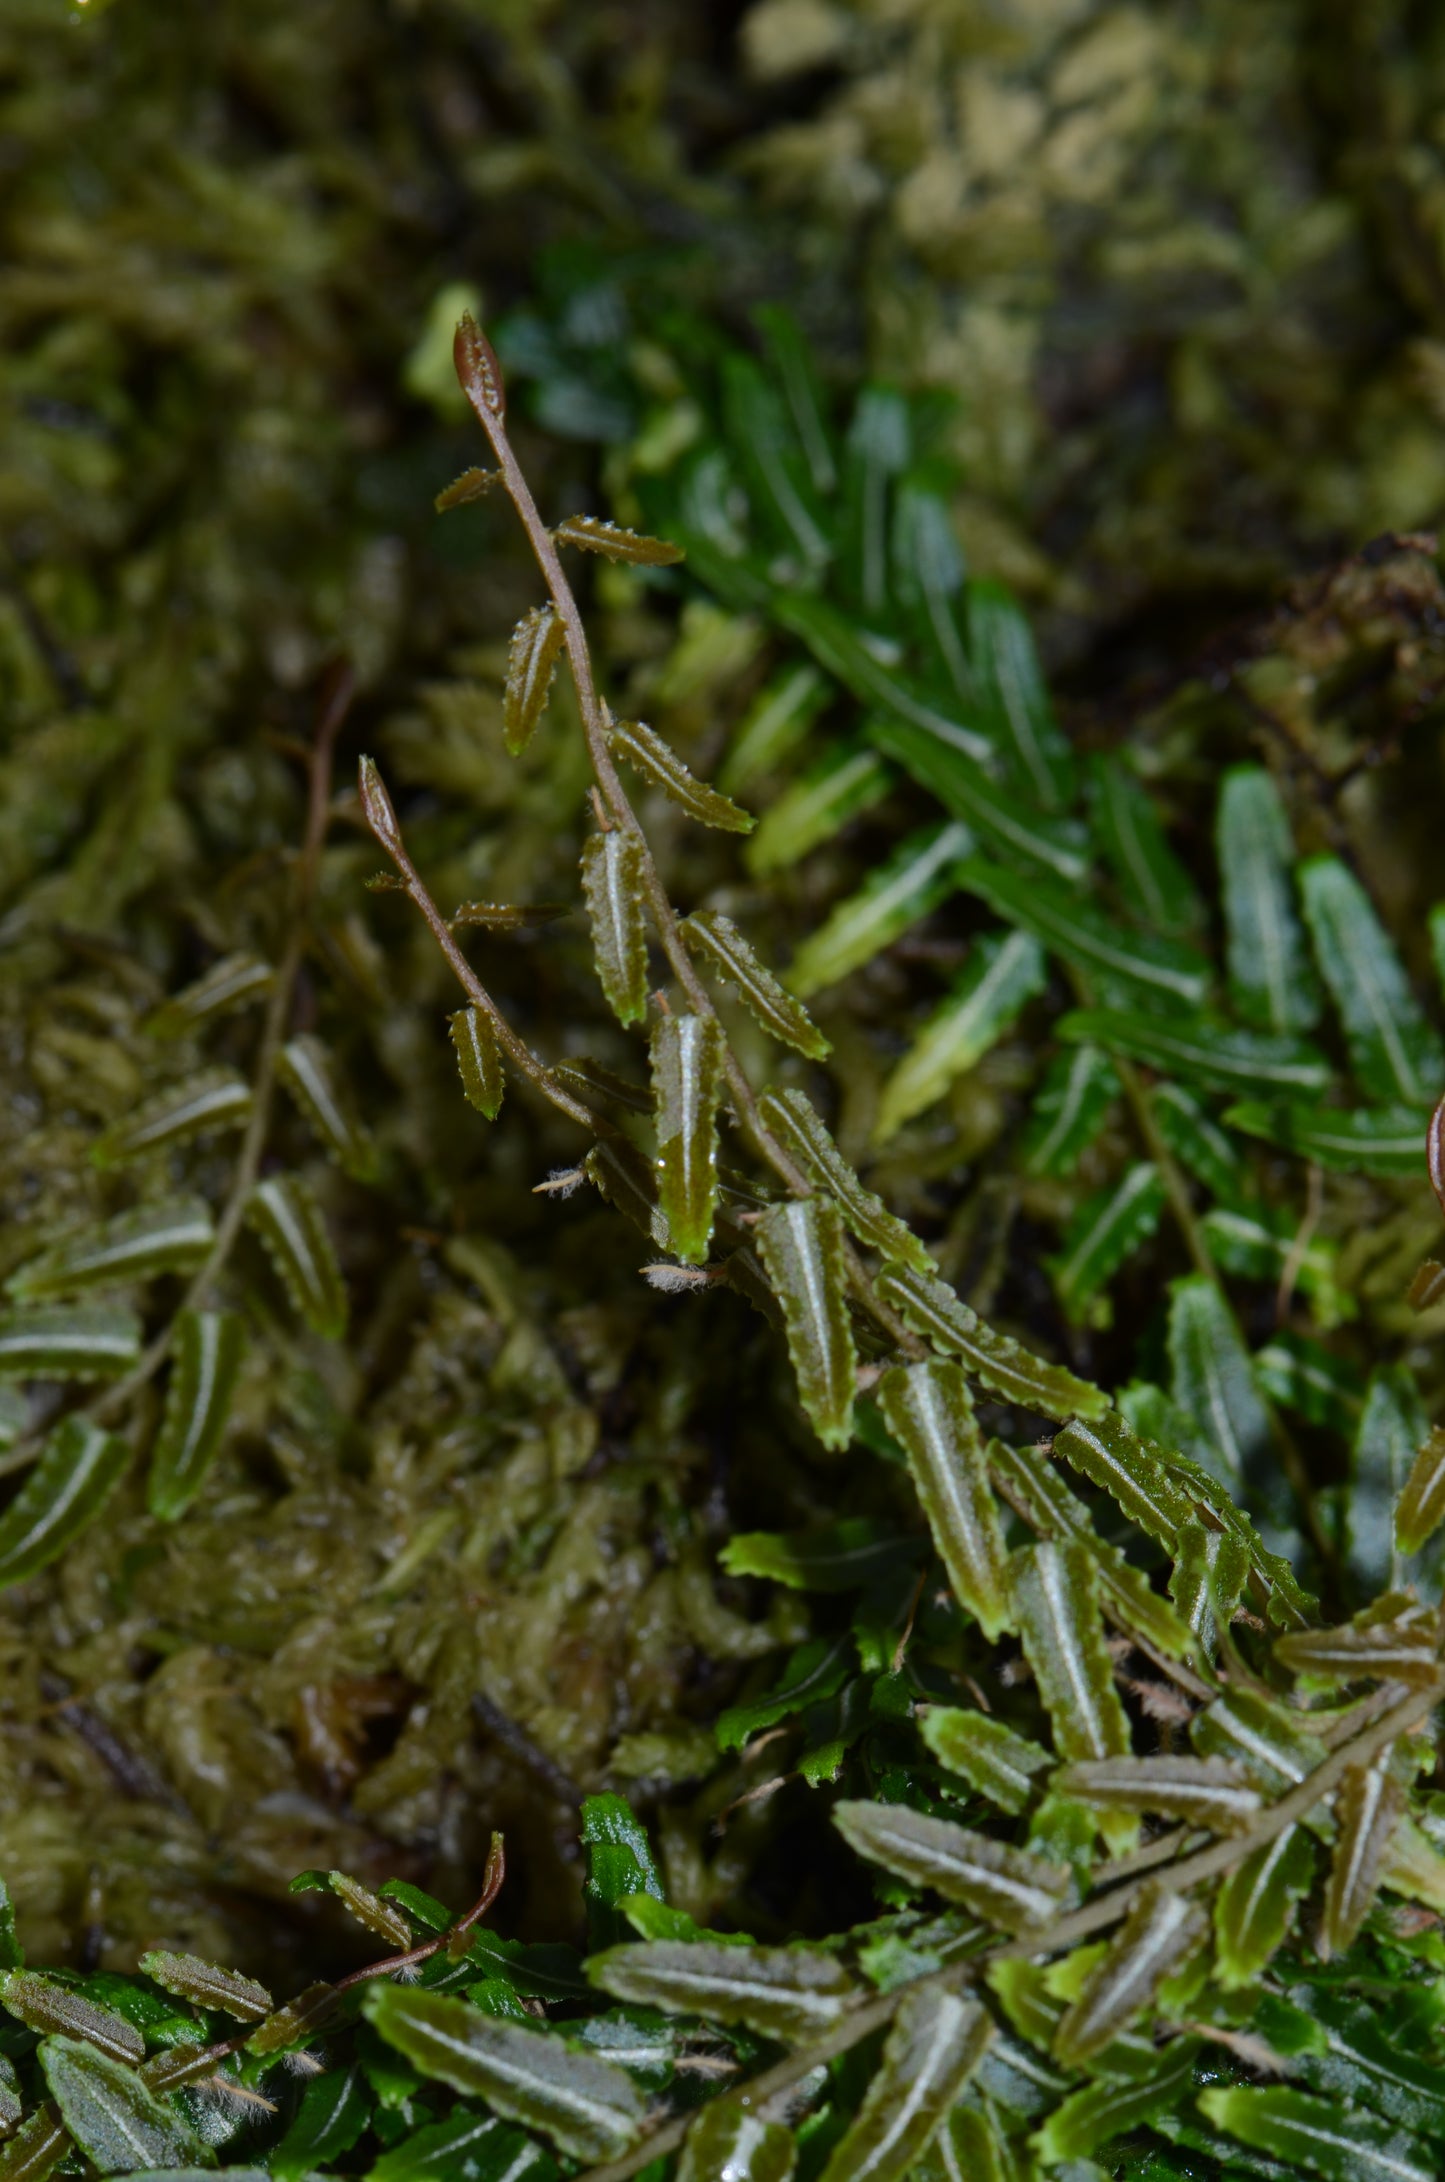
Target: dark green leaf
1421, 1506
929, 1410
1056, 1602
1209, 1792
1335, 2141
1368, 1807
1366, 1140
208, 1986
1105, 1231
993, 1759
466, 2147
1397, 1057
658, 762
1206, 1051
836, 645
801, 1247
775, 723
778, 472
58, 1342
217, 1098
44, 2005
309, 1071
536, 646
118, 2124
620, 1865
1068, 1111
1154, 884
1094, 943
1271, 980
1097, 2113
1002, 973
1013, 1889
1162, 1929
1255, 1906
172, 1237
998, 1362
479, 1057
793, 1119
334, 2112
612, 885
288, 1220
728, 2141
1012, 827
236, 981
816, 1670
936, 2041
788, 1993
898, 893
714, 936
1213, 1382
838, 1557
206, 1351
687, 1084
36, 2148
1001, 650
79, 1468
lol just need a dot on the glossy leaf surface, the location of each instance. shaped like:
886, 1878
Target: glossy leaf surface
687, 1083
717, 939
801, 1246
288, 1220
206, 1352
79, 1468
930, 1413
612, 887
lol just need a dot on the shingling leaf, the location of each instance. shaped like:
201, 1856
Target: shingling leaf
46, 2006
1154, 884
536, 646
612, 884
715, 937
1368, 1806
1056, 1609
217, 1098
1256, 1906
1106, 1230
1385, 1140
479, 1058
308, 1069
1161, 1930
936, 2041
998, 1362
801, 1247
208, 1986
793, 1119
119, 2124
1421, 1507
657, 761
1084, 935
1013, 1889
906, 887
1338, 2142
1395, 1054
788, 1993
206, 1351
687, 1083
589, 2109
1271, 979
170, 1237
727, 2139
236, 981
1201, 1049
288, 1220
1002, 973
334, 2111
1016, 699
1209, 1792
930, 1413
79, 1468
847, 779
57, 1341
1069, 1110
991, 1757
595, 535
1111, 1454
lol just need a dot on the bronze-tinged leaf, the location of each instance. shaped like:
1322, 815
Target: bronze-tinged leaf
715, 937
1160, 1932
471, 485
479, 1057
208, 1986
998, 1362
595, 535
936, 2041
295, 2024
794, 1121
380, 1917
929, 1411
288, 1220
612, 883
801, 1246
1209, 1792
788, 1993
1016, 1890
1256, 1905
687, 1083
45, 2006
509, 916
36, 2148
657, 761
376, 805
1384, 1651
1421, 1506
1368, 1805
479, 375
1056, 1603
206, 1351
215, 1099
537, 643
1428, 1287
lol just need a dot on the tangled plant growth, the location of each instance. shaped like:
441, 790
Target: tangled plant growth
1179, 1822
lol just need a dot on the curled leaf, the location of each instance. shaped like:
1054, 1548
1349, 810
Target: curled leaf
79, 1468
930, 1412
376, 804
612, 883
656, 761
67, 1342
1014, 1889
801, 1246
479, 1057
536, 646
1421, 1506
997, 1361
1160, 1932
709, 933
206, 1350
216, 1099
288, 1220
595, 535
479, 375
793, 1119
687, 1082
788, 1993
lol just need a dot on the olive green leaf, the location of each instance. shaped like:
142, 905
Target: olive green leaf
835, 644
1155, 886
1013, 1889
997, 1361
715, 937
217, 1098
1068, 1111
1397, 1650
288, 1220
206, 1351
1016, 699
727, 2139
118, 2123
687, 1083
58, 1341
1205, 1582
1368, 1806
467, 2147
1209, 1792
308, 1069
1256, 1905
1097, 2113
1014, 828
775, 723
1384, 1140
835, 1557
1395, 1054
1111, 1454
1271, 979
536, 646
472, 485
935, 2043
906, 887
43, 2005
877, 449
612, 883
508, 916
334, 2111
1002, 973
589, 2109
1085, 936
377, 806
929, 1410
1202, 1049
236, 981
208, 1986
1107, 1229
655, 760
1260, 1735
1340, 2142
788, 1993
801, 1247
595, 535
847, 779
171, 1237
79, 1467
1213, 1381
793, 1119
369, 1909
991, 1757
1161, 1930
479, 1057
1056, 1605
296, 2023
1421, 1506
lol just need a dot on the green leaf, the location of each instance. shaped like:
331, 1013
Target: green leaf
657, 761
12, 2105
79, 1468
815, 1671
793, 1119
1001, 649
928, 573
1068, 1111
1256, 1905
1208, 1792
1260, 1735
1056, 1602
37, 2146
792, 360
1214, 1384
594, 534
836, 1557
848, 779
898, 893
878, 448
536, 646
929, 1411
472, 485
1328, 2139
1206, 1051
993, 1759
1155, 886
369, 1909
590, 2110
935, 2043
1197, 1142
1206, 1580
620, 1866
59, 1342
1302, 1375
715, 937
43, 2005
1097, 2113
1012, 1889
12, 1954
727, 2140
1111, 1454
1002, 973
466, 2147
777, 469
1402, 1648
206, 1351
1386, 1140
834, 643
1015, 829
612, 885
775, 723
208, 1986
288, 1220
1261, 1244
118, 2124
1395, 1054
1162, 1929
479, 1057
236, 981
801, 1247
308, 1069
687, 1081
1271, 980
334, 2112
217, 1098
1105, 1231
1421, 1506
1370, 2056
787, 1993
295, 2024
1368, 1806
998, 1362
1082, 934
171, 1237
628, 1181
